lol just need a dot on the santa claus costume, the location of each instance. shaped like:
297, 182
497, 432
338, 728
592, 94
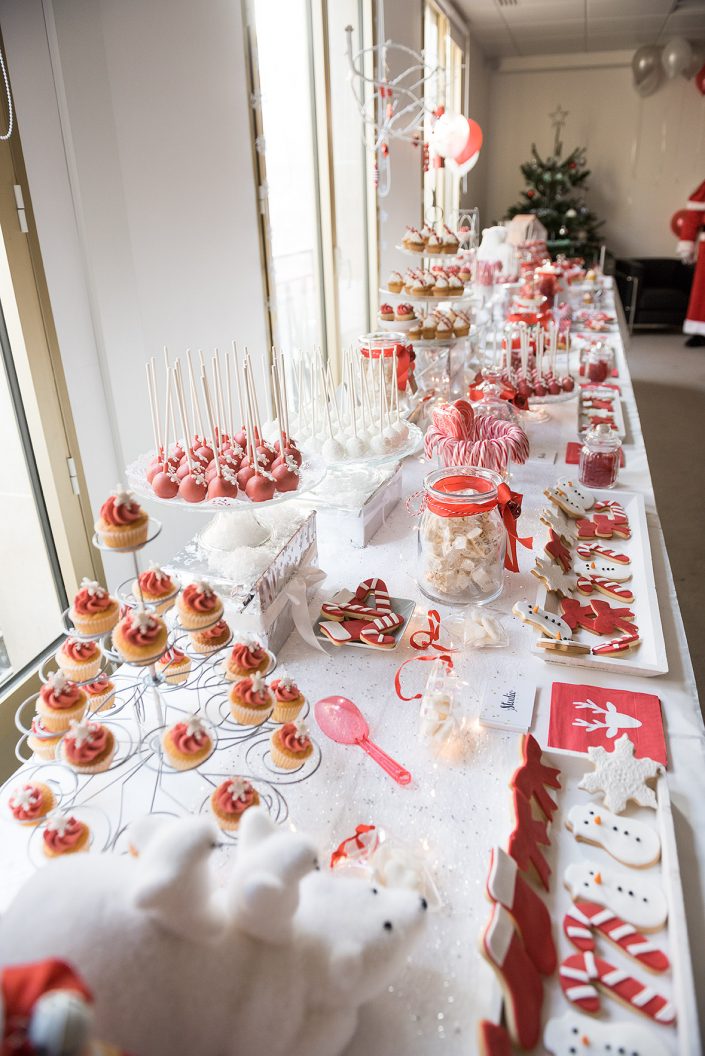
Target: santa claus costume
691, 247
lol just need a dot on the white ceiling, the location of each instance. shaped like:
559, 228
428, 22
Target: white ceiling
542, 27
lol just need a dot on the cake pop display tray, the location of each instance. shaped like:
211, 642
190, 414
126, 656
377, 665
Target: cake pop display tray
649, 658
313, 470
675, 984
414, 443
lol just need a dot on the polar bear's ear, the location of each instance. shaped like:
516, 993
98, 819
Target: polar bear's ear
261, 895
346, 965
255, 827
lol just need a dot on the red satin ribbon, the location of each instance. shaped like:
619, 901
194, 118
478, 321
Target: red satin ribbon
427, 637
508, 502
397, 677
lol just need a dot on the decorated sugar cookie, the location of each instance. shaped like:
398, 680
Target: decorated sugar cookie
547, 623
583, 975
377, 590
577, 615
638, 899
567, 646
518, 978
558, 551
350, 610
554, 578
602, 567
342, 632
601, 526
527, 838
588, 550
578, 494
378, 633
618, 646
575, 1034
620, 776
630, 841
534, 777
493, 1040
553, 517
506, 885
610, 618
588, 585
576, 510
586, 919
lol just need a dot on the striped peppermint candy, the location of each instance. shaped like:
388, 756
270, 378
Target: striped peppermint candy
585, 918
582, 973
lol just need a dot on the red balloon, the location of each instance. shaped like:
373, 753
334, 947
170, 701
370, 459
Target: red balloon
677, 221
700, 80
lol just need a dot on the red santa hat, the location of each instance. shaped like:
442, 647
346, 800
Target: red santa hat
697, 198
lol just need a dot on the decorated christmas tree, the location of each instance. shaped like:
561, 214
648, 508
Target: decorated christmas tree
555, 194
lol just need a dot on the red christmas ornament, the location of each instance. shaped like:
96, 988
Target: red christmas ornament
677, 221
530, 194
700, 80
385, 149
572, 166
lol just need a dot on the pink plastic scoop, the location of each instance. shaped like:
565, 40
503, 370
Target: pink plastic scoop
343, 722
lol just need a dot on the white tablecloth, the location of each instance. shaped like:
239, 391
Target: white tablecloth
457, 807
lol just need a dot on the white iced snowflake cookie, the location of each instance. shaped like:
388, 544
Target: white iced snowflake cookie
554, 578
553, 517
620, 776
575, 1033
629, 841
547, 623
637, 899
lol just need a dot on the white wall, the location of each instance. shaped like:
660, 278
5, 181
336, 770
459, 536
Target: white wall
646, 155
478, 73
142, 181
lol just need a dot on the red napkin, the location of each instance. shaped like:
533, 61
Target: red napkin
584, 717
572, 454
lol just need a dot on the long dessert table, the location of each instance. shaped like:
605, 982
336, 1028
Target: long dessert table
458, 804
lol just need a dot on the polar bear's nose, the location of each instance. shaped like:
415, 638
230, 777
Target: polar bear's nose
388, 925
424, 903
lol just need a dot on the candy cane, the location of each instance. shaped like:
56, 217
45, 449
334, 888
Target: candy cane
585, 918
580, 972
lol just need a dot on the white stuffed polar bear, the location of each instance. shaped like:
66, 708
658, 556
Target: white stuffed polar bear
277, 963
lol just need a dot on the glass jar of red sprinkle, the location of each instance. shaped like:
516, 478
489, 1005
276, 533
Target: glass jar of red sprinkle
599, 457
600, 362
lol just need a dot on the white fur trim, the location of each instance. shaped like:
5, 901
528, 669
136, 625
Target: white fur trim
694, 326
503, 877
699, 206
499, 935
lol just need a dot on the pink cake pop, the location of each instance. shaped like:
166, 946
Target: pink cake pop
286, 475
260, 487
223, 487
193, 487
164, 483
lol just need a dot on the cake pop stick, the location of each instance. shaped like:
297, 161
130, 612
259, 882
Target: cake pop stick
330, 388
219, 406
151, 395
277, 406
229, 394
195, 406
256, 417
182, 413
211, 417
238, 385
284, 394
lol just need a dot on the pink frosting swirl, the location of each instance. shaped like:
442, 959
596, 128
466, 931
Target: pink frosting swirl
68, 697
248, 657
141, 633
214, 633
79, 651
198, 599
120, 514
88, 603
171, 656
231, 799
188, 743
88, 748
102, 684
27, 803
156, 582
246, 691
290, 739
59, 841
284, 690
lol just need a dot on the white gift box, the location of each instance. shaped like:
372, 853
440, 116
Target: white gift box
358, 526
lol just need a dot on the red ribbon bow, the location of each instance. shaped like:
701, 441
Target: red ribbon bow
509, 503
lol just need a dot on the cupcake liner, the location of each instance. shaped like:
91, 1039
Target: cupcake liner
97, 624
206, 649
96, 767
175, 676
43, 748
249, 716
123, 537
233, 823
285, 761
234, 673
84, 672
196, 621
57, 720
155, 603
287, 711
140, 655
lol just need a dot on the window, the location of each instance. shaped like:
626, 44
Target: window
442, 50
312, 169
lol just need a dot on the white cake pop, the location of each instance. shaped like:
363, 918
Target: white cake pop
356, 447
333, 450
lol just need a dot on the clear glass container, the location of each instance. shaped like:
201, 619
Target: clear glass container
491, 401
599, 457
600, 363
462, 539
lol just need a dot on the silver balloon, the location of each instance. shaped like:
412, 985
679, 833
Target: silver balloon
676, 57
645, 63
649, 84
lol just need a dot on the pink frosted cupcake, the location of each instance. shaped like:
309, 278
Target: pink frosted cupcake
231, 799
175, 666
212, 639
65, 834
60, 702
199, 606
79, 660
251, 703
291, 746
155, 588
246, 657
122, 523
288, 698
100, 693
31, 802
93, 611
88, 747
42, 741
187, 744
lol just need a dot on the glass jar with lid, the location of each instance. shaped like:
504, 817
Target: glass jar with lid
599, 456
462, 538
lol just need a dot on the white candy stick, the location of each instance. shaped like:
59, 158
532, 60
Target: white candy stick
396, 387
256, 417
220, 400
229, 394
277, 406
182, 411
169, 412
250, 415
150, 396
211, 417
167, 373
284, 394
238, 384
381, 389
333, 397
195, 406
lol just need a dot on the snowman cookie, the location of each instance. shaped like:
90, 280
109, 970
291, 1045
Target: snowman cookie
571, 506
603, 567
578, 494
637, 899
575, 1033
630, 841
546, 622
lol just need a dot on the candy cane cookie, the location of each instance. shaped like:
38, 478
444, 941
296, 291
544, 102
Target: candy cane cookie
584, 919
582, 976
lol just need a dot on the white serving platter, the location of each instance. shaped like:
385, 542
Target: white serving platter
403, 607
617, 412
650, 657
675, 984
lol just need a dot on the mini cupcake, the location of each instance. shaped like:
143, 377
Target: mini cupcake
444, 328
174, 666
64, 834
31, 802
413, 240
441, 288
101, 694
251, 702
155, 588
434, 244
60, 702
288, 698
461, 325
122, 522
414, 331
450, 240
247, 656
428, 330
187, 744
93, 611
456, 285
386, 313
199, 606
231, 799
404, 313
88, 747
464, 274
291, 746
212, 639
140, 637
42, 741
426, 232
395, 282
418, 286
79, 661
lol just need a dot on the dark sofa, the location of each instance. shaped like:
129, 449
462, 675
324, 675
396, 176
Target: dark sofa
654, 291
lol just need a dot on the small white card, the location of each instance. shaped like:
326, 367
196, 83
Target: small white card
540, 453
508, 705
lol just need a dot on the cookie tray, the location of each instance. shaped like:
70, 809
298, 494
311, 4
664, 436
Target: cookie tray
676, 984
617, 414
650, 657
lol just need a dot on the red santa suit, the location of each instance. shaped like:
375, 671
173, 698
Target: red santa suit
692, 248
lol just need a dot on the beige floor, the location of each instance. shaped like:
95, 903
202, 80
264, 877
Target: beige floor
669, 382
